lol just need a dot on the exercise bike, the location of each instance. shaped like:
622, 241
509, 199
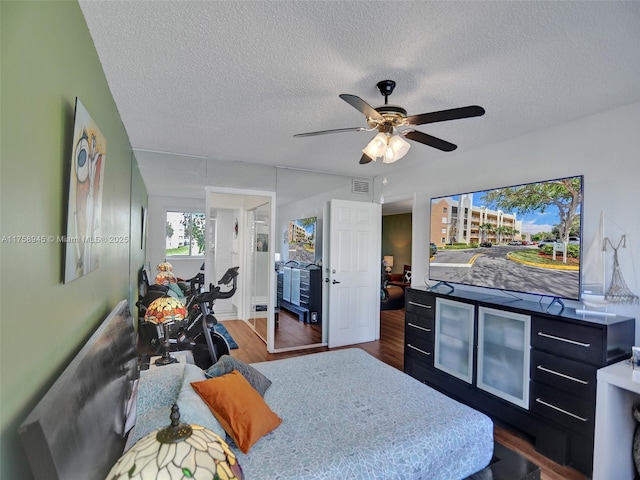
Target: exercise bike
206, 344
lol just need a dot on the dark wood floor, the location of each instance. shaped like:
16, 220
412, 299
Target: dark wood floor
290, 331
390, 349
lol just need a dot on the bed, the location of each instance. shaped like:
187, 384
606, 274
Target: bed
348, 415
344, 414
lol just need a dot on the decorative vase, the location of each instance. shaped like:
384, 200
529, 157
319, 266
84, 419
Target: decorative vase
636, 438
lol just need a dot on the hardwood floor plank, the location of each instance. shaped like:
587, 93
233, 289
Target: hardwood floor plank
390, 349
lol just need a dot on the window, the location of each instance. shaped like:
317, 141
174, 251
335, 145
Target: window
185, 234
444, 209
445, 220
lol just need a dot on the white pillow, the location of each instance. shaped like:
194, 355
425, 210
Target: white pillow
193, 409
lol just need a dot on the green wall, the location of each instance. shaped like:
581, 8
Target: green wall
396, 240
47, 60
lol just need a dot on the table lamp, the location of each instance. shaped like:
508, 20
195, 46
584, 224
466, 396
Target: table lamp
165, 311
178, 451
388, 263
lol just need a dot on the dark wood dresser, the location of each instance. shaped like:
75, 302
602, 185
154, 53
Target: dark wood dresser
530, 369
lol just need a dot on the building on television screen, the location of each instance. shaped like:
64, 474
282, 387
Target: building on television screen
298, 234
458, 220
302, 240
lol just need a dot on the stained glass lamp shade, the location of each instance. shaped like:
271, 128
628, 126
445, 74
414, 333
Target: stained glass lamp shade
165, 267
178, 451
165, 311
165, 278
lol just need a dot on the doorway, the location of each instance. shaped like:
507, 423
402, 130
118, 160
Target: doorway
239, 233
396, 254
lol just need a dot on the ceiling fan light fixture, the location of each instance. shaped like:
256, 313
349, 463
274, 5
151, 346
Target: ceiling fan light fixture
397, 147
376, 147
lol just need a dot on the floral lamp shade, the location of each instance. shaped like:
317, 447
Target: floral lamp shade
165, 267
178, 451
165, 278
165, 310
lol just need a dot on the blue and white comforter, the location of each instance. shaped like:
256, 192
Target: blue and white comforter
347, 415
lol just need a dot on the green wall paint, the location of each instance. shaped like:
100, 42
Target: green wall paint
396, 240
48, 59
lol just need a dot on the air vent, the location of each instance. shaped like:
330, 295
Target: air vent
360, 185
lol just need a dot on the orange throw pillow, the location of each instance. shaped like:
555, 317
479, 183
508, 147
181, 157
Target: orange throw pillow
239, 408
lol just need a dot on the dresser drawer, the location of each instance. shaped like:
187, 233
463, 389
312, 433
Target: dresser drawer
567, 375
418, 347
420, 326
578, 342
568, 410
423, 305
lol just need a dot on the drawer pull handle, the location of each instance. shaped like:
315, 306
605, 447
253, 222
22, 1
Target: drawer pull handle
568, 377
419, 304
539, 400
574, 342
418, 327
418, 349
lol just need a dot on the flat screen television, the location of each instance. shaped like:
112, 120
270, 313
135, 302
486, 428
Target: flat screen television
301, 237
523, 238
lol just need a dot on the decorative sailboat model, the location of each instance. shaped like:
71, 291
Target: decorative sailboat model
595, 299
618, 291
593, 275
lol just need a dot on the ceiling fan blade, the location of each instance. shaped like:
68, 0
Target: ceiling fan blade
444, 115
360, 105
365, 159
431, 141
337, 130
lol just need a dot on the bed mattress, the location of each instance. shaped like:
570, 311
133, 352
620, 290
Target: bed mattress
348, 415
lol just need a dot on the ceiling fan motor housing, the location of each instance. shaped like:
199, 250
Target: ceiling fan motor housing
393, 116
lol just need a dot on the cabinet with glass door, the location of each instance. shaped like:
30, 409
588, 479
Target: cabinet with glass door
454, 338
503, 354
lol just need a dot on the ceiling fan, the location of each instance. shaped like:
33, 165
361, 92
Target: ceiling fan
393, 125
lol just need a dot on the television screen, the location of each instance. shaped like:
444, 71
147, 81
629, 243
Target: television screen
523, 238
301, 237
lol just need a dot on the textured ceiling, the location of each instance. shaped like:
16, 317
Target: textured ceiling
235, 80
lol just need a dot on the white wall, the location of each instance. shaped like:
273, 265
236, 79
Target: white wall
605, 148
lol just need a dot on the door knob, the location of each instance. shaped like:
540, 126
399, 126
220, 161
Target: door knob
334, 281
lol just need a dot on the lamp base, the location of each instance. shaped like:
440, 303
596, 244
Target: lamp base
165, 359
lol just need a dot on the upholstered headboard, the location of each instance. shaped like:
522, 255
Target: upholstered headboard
76, 432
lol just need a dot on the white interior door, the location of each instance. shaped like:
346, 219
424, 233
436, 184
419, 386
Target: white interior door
354, 272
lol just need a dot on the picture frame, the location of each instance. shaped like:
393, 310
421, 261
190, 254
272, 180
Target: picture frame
143, 228
84, 232
635, 358
262, 242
